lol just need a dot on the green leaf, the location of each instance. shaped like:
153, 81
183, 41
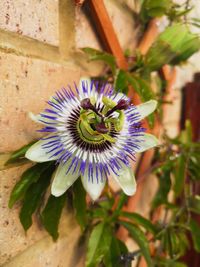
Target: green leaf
163, 262
179, 175
107, 203
116, 251
79, 203
19, 154
194, 204
143, 88
29, 177
164, 178
154, 8
33, 197
195, 231
194, 166
122, 200
186, 134
99, 244
120, 83
100, 55
140, 220
51, 214
140, 239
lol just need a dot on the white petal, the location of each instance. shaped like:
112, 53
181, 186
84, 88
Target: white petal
147, 141
35, 117
126, 180
38, 154
146, 108
94, 189
39, 119
63, 181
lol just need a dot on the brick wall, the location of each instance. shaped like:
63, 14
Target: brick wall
39, 42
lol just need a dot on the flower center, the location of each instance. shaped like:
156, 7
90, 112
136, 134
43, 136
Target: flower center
95, 125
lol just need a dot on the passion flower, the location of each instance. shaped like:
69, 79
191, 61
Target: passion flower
93, 133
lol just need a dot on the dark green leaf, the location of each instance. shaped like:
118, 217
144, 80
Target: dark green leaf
33, 197
51, 214
99, 213
79, 203
179, 175
140, 239
117, 250
140, 220
99, 244
195, 231
29, 177
100, 55
19, 154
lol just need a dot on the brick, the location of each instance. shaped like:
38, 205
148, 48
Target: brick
36, 19
12, 237
26, 84
64, 253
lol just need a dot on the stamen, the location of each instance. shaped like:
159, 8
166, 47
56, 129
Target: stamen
86, 104
122, 104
